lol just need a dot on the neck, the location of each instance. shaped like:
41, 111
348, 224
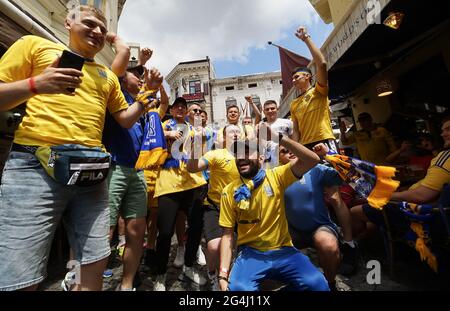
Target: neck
179, 120
78, 50
304, 89
270, 121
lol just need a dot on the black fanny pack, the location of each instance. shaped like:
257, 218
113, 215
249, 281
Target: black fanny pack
75, 165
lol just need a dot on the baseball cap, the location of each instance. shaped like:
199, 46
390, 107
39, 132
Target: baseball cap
179, 100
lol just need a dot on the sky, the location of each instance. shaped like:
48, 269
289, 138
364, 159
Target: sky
233, 33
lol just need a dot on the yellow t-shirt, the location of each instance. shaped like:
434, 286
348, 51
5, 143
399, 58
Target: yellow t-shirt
172, 180
222, 167
267, 205
438, 173
311, 112
374, 148
54, 119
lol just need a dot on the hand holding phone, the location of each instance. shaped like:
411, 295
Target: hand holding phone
71, 60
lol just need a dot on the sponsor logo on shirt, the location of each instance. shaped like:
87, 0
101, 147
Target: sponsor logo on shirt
102, 73
268, 190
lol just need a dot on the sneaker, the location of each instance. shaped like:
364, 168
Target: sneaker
107, 273
160, 283
120, 289
213, 282
192, 274
349, 263
179, 259
68, 281
201, 260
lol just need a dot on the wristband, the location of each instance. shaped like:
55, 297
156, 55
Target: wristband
220, 277
32, 86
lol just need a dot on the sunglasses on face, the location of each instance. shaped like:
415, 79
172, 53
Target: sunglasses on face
196, 110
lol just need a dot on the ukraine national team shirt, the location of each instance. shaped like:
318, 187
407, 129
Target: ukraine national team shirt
223, 170
305, 206
263, 226
55, 119
438, 173
311, 112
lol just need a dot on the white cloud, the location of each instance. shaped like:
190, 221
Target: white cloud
183, 30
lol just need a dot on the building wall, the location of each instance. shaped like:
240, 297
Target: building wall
183, 74
267, 87
331, 10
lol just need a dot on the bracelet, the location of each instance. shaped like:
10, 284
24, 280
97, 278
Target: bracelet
219, 277
32, 86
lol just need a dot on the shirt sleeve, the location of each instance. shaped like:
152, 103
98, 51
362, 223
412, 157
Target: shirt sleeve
290, 127
284, 176
116, 100
227, 216
330, 177
17, 63
210, 159
323, 90
439, 174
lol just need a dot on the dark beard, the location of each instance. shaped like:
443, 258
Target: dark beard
254, 168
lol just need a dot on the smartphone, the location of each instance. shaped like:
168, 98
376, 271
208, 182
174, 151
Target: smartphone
71, 60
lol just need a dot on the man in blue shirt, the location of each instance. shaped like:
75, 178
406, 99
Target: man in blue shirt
309, 221
127, 185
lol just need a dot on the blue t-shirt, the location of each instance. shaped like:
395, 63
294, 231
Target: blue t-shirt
305, 206
123, 144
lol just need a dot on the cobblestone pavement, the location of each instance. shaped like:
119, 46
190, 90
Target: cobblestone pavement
409, 273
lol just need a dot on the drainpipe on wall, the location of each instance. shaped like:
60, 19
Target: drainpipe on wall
25, 21
210, 90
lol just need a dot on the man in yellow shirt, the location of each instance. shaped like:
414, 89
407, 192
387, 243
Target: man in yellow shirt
255, 202
233, 115
374, 143
222, 171
310, 112
426, 191
32, 202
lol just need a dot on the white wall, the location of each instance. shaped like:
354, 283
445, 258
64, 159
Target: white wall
266, 89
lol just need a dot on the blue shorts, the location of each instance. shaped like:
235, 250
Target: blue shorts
31, 207
286, 264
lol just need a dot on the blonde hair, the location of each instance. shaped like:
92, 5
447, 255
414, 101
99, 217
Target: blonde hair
75, 10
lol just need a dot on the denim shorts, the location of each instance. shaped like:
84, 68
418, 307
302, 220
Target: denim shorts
31, 207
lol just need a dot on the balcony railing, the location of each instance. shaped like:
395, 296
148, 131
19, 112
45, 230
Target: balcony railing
194, 97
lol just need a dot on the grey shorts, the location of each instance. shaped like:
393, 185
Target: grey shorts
31, 206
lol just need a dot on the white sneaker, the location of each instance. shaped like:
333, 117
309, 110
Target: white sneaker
160, 283
192, 274
201, 260
179, 259
68, 282
213, 282
120, 289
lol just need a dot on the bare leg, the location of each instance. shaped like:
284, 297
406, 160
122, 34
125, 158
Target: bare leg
327, 248
135, 231
213, 254
92, 276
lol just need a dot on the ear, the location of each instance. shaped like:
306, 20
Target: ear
67, 24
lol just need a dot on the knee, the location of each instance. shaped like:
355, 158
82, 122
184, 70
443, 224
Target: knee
316, 282
329, 247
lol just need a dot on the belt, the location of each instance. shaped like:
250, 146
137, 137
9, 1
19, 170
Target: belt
23, 148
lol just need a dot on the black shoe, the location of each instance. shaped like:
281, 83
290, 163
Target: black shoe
349, 263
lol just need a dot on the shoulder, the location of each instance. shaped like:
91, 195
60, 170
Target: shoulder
442, 160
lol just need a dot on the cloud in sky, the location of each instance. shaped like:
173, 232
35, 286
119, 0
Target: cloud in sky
183, 30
